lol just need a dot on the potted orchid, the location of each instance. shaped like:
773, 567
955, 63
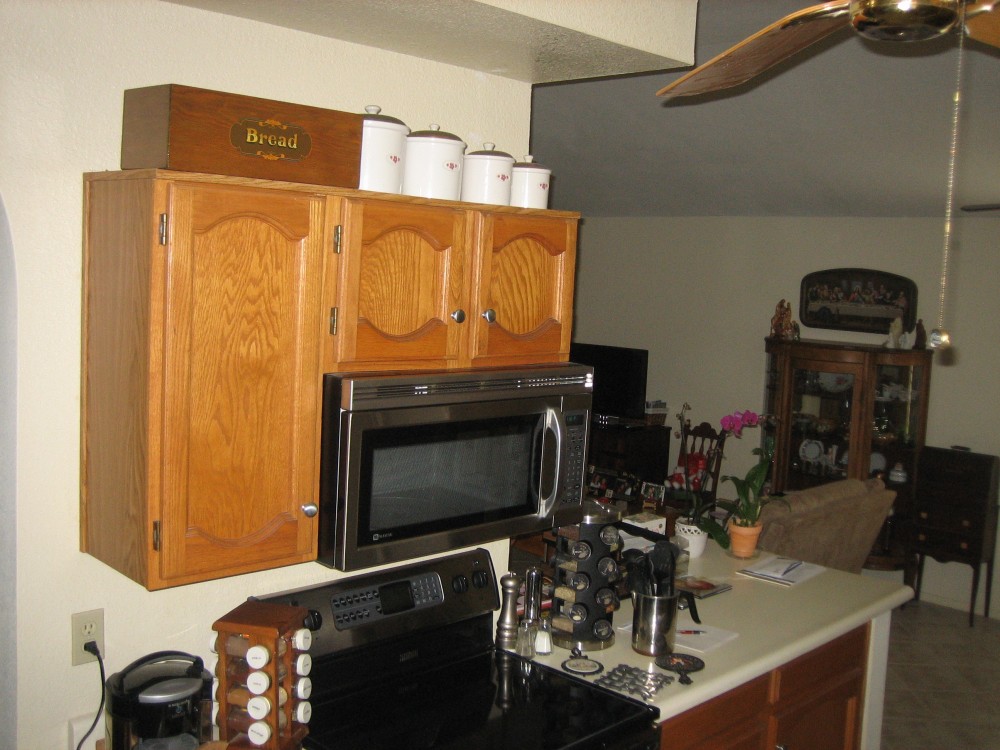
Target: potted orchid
744, 513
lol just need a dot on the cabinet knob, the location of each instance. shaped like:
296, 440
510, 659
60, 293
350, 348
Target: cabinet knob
458, 316
965, 522
923, 514
490, 315
922, 537
310, 509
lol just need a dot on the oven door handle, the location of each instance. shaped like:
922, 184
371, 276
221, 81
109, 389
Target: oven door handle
553, 441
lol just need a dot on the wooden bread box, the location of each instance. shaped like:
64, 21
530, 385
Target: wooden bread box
197, 130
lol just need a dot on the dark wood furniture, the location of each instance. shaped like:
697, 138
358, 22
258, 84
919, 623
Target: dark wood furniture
849, 410
701, 440
813, 701
955, 516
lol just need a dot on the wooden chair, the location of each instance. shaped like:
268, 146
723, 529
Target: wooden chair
702, 439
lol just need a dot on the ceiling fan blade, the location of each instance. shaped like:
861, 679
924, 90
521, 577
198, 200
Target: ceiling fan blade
766, 48
982, 207
982, 22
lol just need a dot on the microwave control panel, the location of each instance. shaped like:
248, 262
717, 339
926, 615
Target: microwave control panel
576, 456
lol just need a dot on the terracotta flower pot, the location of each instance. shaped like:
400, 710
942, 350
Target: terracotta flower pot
743, 539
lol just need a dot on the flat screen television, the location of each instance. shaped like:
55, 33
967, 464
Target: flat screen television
619, 381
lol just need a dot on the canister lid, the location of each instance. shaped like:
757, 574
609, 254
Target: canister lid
372, 115
434, 132
528, 162
489, 149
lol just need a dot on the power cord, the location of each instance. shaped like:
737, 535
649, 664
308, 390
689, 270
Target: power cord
91, 648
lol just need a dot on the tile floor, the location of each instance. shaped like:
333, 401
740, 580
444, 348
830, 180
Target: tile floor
942, 681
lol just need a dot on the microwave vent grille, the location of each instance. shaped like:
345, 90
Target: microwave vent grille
384, 389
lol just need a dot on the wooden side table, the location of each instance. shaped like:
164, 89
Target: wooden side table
955, 514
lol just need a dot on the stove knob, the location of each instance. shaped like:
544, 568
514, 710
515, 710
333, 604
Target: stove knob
460, 584
480, 579
313, 620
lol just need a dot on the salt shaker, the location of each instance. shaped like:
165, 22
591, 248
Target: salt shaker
543, 638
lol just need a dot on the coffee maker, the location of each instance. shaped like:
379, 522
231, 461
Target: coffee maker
161, 701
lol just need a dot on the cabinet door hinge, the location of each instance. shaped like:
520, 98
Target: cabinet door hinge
163, 229
156, 536
333, 321
338, 233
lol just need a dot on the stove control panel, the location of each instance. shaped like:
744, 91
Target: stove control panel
355, 607
373, 607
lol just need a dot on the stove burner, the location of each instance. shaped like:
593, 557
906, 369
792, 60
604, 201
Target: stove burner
634, 681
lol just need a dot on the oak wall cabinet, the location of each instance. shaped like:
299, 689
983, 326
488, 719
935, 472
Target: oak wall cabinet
849, 410
213, 305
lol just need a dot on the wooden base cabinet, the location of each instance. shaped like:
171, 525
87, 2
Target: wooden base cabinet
812, 703
200, 361
213, 306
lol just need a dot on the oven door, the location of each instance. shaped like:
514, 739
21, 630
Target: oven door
419, 480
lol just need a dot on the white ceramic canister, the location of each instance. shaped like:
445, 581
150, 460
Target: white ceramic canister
529, 184
486, 176
383, 151
433, 164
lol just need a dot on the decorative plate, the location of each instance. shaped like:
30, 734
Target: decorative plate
877, 462
835, 382
810, 450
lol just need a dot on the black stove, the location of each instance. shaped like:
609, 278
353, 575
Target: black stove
405, 659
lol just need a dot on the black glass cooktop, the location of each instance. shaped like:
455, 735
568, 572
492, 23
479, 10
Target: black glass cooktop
490, 701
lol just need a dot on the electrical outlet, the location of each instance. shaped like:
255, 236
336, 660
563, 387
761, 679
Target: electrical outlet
87, 626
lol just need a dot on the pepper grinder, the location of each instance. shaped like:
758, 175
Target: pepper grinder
510, 585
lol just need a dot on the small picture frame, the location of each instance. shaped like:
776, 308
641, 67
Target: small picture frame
652, 495
857, 299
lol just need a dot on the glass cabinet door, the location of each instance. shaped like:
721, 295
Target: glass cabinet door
823, 411
898, 405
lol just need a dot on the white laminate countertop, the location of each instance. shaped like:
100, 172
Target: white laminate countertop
775, 625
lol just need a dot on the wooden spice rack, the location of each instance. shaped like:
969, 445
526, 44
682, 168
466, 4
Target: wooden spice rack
262, 624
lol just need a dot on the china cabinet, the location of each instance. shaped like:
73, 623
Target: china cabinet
849, 410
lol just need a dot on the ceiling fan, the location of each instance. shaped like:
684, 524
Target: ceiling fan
881, 20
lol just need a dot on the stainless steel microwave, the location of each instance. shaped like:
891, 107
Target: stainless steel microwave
416, 464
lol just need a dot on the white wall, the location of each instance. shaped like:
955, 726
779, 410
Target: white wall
65, 66
699, 294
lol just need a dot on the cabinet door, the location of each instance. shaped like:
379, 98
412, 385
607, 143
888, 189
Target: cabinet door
403, 301
829, 721
524, 289
241, 338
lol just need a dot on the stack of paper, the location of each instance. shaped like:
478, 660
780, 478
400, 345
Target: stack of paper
784, 570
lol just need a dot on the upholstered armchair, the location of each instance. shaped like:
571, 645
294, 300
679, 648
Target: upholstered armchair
834, 524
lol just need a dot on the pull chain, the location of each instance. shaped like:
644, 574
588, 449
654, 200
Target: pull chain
939, 337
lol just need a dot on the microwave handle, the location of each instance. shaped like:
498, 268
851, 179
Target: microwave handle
555, 423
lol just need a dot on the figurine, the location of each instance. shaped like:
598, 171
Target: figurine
920, 336
782, 325
895, 333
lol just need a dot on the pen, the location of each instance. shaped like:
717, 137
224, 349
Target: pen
791, 567
690, 632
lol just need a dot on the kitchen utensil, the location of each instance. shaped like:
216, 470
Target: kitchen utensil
433, 167
663, 557
529, 186
486, 176
383, 151
654, 620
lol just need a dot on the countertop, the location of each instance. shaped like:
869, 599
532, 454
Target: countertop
775, 625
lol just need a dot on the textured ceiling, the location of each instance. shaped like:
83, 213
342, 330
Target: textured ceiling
526, 40
849, 128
